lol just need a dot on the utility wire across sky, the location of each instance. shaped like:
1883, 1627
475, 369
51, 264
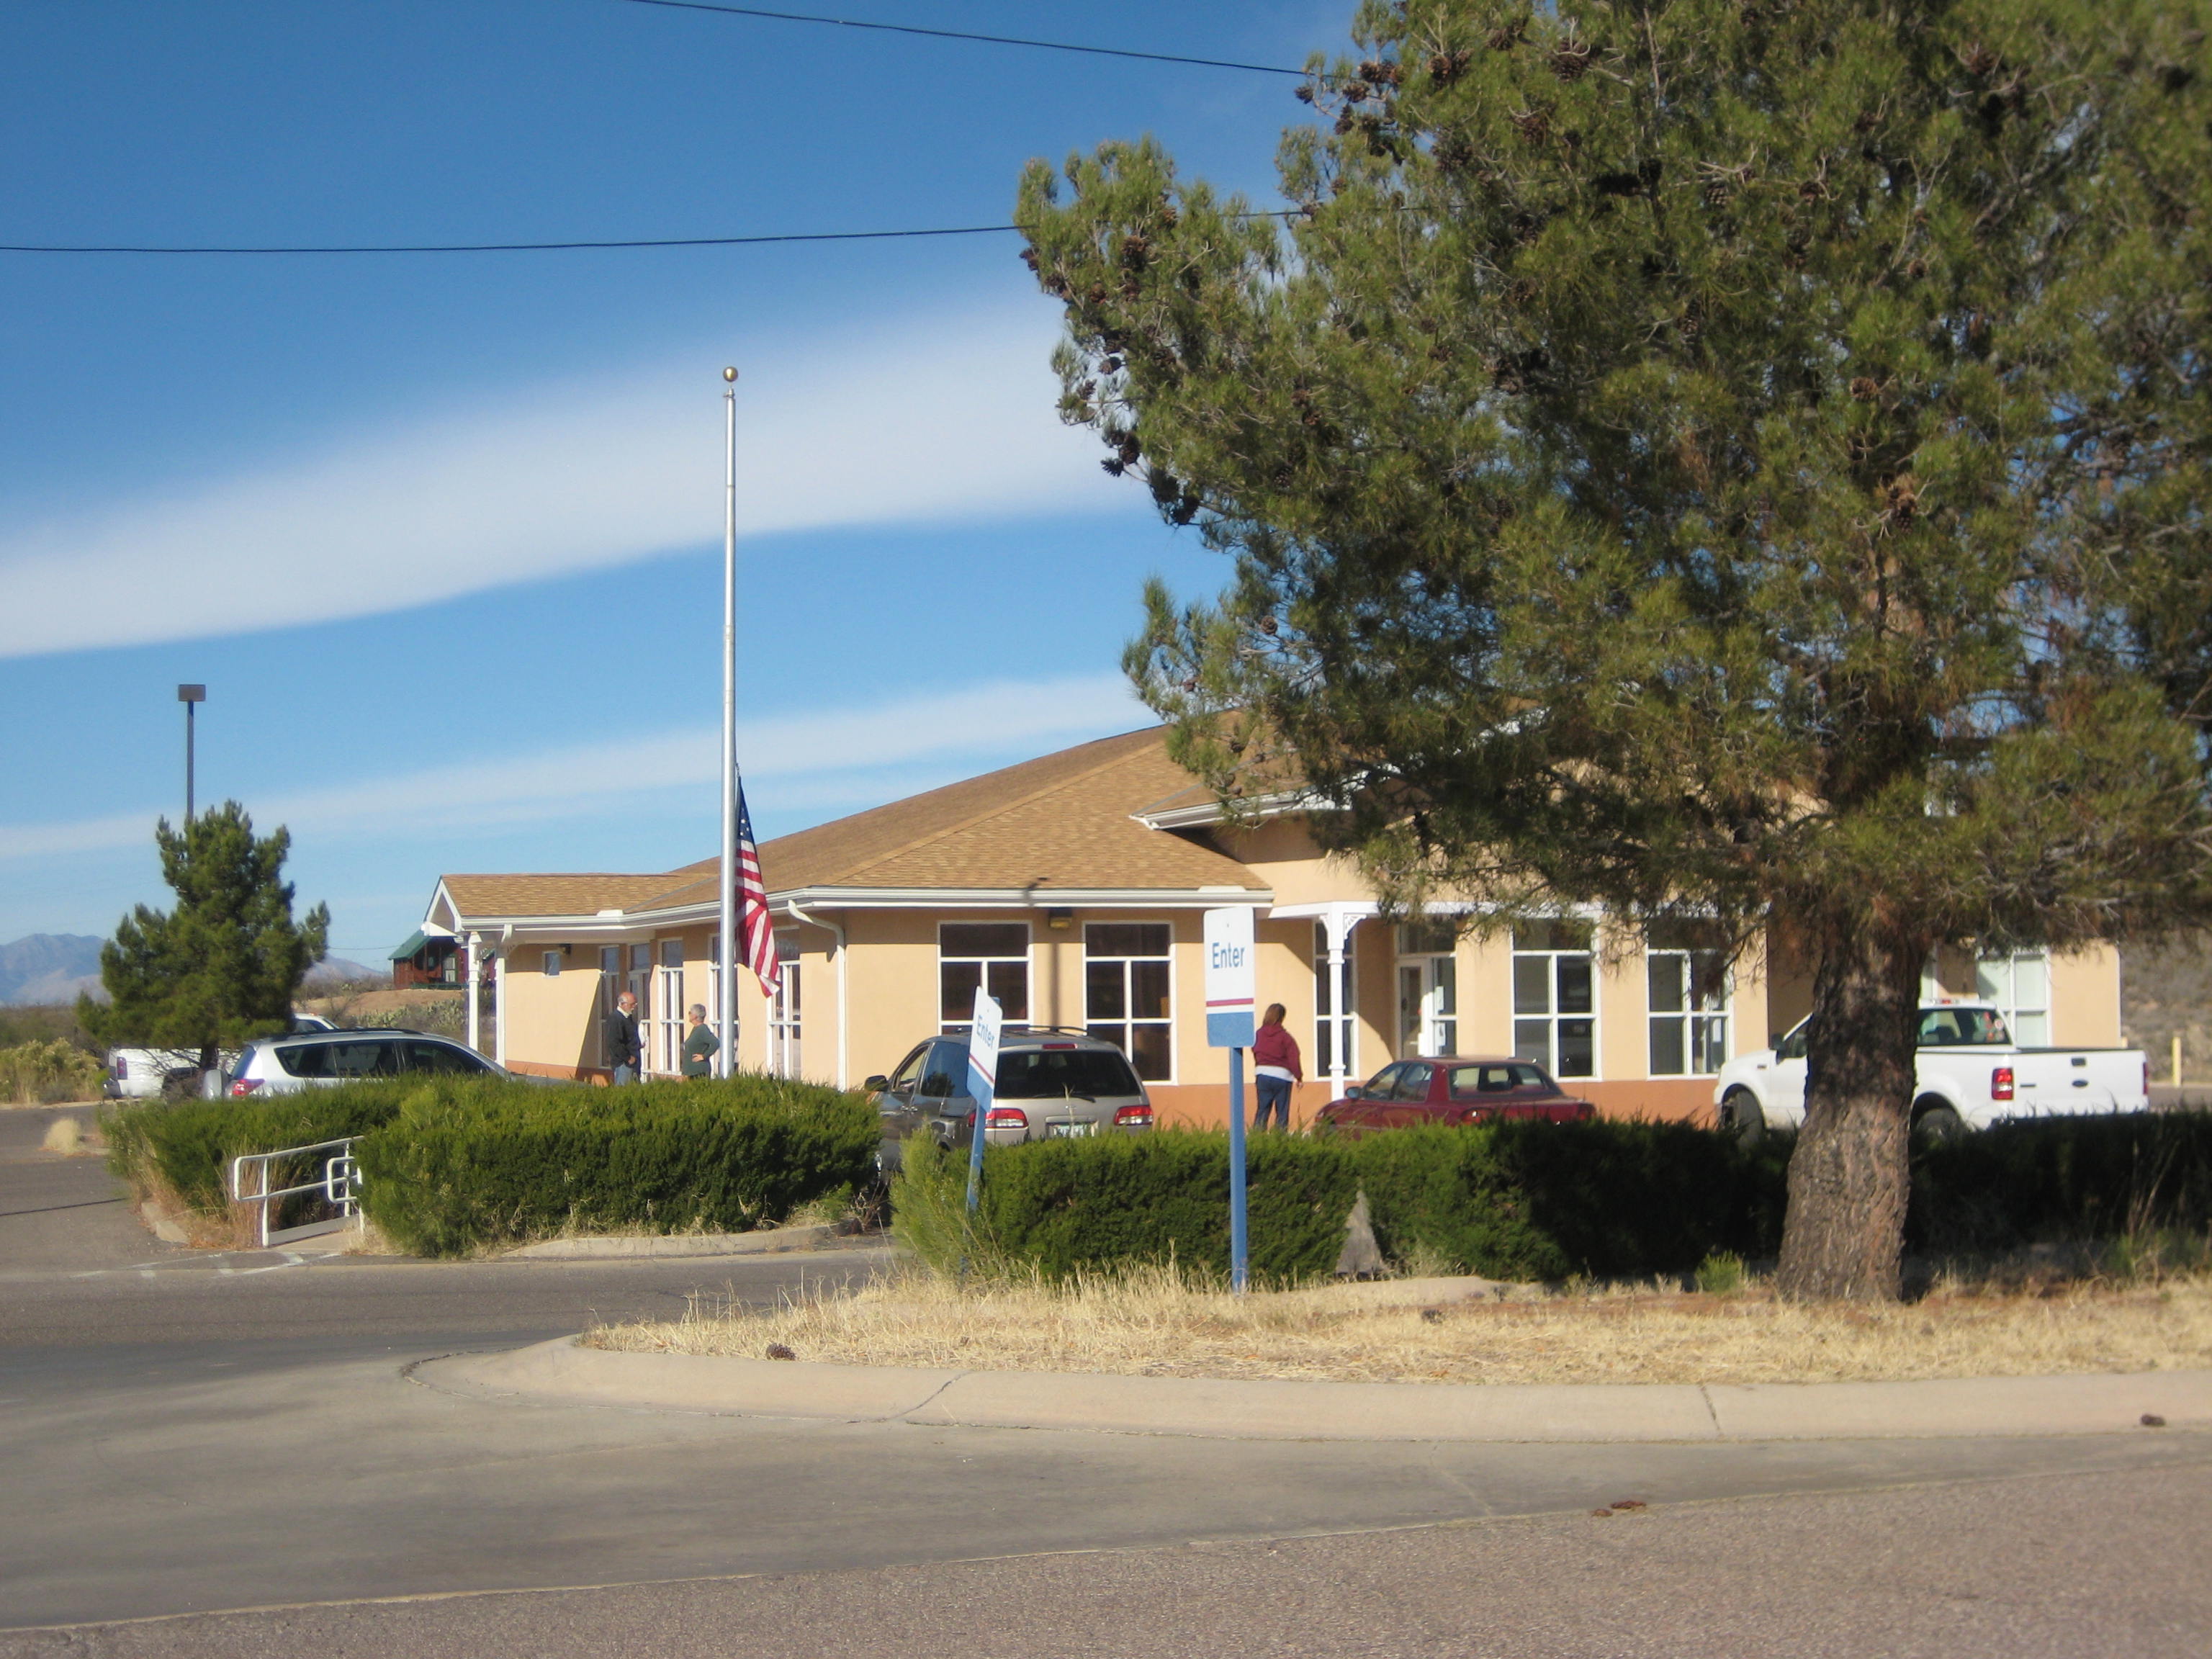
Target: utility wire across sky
962, 34
584, 245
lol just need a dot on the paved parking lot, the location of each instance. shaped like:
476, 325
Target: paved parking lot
188, 1439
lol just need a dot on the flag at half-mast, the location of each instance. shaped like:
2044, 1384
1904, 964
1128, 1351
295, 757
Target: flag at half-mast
755, 926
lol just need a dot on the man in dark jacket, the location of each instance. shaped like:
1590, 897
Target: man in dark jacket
624, 1052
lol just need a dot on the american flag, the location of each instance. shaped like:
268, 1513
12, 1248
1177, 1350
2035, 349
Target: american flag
755, 926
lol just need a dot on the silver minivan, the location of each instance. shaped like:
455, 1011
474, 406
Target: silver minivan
1052, 1083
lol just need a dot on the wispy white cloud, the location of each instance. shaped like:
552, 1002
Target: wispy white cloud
809, 763
924, 418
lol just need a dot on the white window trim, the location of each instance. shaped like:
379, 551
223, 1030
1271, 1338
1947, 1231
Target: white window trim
1578, 912
1728, 1048
1029, 964
1175, 993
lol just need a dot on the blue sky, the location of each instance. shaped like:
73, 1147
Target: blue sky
442, 534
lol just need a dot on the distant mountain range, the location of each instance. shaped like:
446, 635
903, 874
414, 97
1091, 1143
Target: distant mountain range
49, 968
52, 967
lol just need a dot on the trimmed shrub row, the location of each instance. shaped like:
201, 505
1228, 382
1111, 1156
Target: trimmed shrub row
473, 1163
1536, 1201
2065, 1181
1513, 1200
452, 1165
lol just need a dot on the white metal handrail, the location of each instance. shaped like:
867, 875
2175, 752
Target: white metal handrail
340, 1184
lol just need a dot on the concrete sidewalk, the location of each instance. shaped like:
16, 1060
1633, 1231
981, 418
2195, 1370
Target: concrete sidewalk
1546, 1413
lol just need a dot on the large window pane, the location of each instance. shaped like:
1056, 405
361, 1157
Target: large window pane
1532, 985
1667, 1056
1663, 976
956, 984
1574, 984
983, 938
1105, 991
1532, 1040
1578, 1048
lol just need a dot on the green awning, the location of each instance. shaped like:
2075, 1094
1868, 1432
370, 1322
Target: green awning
416, 941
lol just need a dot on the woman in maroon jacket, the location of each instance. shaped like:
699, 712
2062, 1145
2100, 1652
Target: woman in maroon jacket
1275, 1067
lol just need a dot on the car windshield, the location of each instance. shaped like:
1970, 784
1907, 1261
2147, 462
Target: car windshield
1056, 1073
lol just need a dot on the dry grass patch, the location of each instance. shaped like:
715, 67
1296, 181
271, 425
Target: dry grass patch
1157, 1322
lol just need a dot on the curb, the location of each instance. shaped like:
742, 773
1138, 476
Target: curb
773, 1241
1277, 1410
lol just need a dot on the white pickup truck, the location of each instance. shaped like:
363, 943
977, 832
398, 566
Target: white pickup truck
1970, 1074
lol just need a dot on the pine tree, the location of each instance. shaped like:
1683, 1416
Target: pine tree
1738, 460
226, 964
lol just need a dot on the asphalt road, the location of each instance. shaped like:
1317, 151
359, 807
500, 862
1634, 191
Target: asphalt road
185, 1440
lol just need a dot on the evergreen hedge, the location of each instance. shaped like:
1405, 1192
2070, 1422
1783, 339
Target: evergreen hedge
2065, 1181
185, 1147
1610, 1198
1511, 1201
467, 1163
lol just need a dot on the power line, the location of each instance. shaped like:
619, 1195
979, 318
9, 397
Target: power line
551, 248
513, 247
959, 34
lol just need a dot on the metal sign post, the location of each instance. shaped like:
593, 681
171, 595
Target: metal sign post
1231, 987
983, 1082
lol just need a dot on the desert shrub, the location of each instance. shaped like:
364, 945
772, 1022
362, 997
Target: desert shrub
183, 1149
470, 1163
50, 1070
1514, 1200
2065, 1181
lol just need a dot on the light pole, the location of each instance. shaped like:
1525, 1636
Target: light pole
726, 1015
192, 697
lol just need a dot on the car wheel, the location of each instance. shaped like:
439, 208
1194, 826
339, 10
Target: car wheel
1740, 1117
1934, 1123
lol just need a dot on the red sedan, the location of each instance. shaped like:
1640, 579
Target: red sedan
1451, 1088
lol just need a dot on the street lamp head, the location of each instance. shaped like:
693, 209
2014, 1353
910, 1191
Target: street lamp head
730, 374
192, 694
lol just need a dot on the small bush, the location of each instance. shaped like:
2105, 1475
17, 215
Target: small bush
45, 1072
2065, 1181
183, 1149
468, 1163
1510, 1202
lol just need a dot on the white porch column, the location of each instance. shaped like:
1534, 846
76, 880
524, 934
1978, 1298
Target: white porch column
498, 1007
1339, 923
469, 978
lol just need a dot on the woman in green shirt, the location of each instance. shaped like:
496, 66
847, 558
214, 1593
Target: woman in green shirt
700, 1045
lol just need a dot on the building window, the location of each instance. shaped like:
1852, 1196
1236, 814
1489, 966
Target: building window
1333, 1033
552, 964
1127, 974
667, 1026
1428, 988
715, 985
1686, 973
2019, 985
1554, 997
783, 1009
995, 955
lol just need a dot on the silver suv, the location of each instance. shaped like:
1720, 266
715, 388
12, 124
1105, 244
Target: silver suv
1052, 1083
323, 1060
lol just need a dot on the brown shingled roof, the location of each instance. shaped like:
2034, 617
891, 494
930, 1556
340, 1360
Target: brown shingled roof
1061, 821
549, 895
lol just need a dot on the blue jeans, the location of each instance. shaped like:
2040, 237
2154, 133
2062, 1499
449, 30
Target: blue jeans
1275, 1095
625, 1074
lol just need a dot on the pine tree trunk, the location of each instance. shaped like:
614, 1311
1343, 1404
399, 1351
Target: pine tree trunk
1844, 1233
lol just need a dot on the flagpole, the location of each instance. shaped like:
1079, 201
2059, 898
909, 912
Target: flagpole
726, 1015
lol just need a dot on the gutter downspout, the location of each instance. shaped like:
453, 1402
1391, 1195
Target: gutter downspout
837, 928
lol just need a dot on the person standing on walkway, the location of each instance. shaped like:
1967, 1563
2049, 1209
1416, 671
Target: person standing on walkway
700, 1045
1275, 1067
624, 1052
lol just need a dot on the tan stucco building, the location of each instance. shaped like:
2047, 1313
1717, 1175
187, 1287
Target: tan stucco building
1074, 886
